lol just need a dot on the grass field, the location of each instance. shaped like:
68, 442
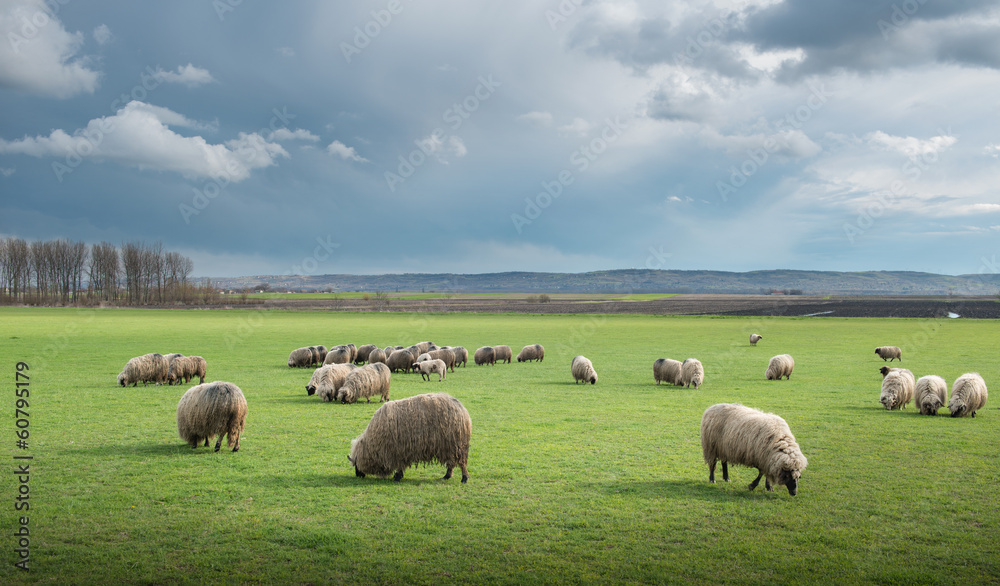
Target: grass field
420, 296
569, 483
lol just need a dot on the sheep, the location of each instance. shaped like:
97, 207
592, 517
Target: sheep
148, 368
929, 394
399, 360
322, 354
780, 366
532, 352
367, 381
364, 352
484, 355
692, 373
583, 370
423, 347
502, 353
445, 355
338, 355
390, 349
186, 367
968, 395
889, 353
897, 390
429, 366
300, 358
415, 351
315, 356
354, 352
461, 354
424, 428
377, 355
754, 338
886, 370
212, 409
733, 433
327, 380
666, 369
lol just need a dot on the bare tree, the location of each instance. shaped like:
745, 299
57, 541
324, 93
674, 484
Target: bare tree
380, 301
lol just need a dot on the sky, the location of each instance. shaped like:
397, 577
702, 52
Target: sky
393, 136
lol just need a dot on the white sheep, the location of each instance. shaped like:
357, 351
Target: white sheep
754, 338
583, 370
968, 395
929, 394
430, 366
781, 365
692, 373
667, 370
897, 389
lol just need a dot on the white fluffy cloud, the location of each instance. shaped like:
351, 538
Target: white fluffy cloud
38, 55
345, 152
443, 147
102, 34
188, 75
139, 135
908, 145
297, 134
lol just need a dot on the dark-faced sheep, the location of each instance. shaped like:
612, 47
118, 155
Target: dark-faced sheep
364, 352
583, 370
968, 395
428, 367
734, 434
187, 367
420, 429
667, 370
377, 355
692, 373
503, 353
212, 409
531, 352
300, 358
327, 380
754, 338
897, 389
929, 394
148, 368
400, 360
366, 382
484, 355
889, 353
338, 355
781, 365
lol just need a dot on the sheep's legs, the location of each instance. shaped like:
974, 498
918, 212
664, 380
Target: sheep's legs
397, 476
711, 473
218, 443
447, 474
465, 473
756, 481
725, 471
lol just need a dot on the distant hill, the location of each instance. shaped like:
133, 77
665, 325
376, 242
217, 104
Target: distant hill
640, 281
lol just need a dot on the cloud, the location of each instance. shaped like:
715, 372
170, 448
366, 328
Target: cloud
285, 51
578, 126
7, 171
909, 146
102, 34
38, 55
787, 144
188, 75
138, 135
537, 118
442, 147
992, 150
297, 134
345, 152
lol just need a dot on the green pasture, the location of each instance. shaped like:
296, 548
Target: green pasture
568, 483
446, 295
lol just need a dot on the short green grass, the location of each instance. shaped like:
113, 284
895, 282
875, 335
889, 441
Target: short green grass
436, 295
569, 483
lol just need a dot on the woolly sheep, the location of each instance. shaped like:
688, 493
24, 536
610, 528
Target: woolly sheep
367, 381
780, 366
692, 373
897, 390
583, 370
377, 355
735, 434
445, 355
666, 369
415, 351
148, 368
889, 353
354, 351
399, 360
364, 352
300, 358
968, 395
886, 370
327, 380
186, 367
427, 367
338, 355
461, 355
423, 347
420, 429
754, 338
502, 353
322, 354
929, 394
484, 355
212, 409
532, 352
315, 355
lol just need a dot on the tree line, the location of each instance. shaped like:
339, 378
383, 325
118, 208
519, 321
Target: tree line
59, 271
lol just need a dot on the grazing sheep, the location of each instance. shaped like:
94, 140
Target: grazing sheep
968, 395
322, 354
532, 352
780, 366
315, 355
583, 370
503, 353
484, 355
423, 347
399, 360
300, 358
367, 381
338, 355
377, 355
170, 358
929, 394
889, 353
354, 351
420, 429
461, 355
364, 352
897, 390
886, 370
666, 369
734, 434
415, 351
327, 380
754, 338
212, 409
692, 373
186, 367
445, 355
429, 366
148, 368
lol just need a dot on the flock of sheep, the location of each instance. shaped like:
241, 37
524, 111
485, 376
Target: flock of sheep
436, 427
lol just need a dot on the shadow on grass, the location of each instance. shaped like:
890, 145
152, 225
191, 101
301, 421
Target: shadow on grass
159, 449
683, 490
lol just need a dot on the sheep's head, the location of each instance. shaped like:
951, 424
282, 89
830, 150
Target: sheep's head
884, 370
957, 410
790, 478
888, 401
121, 379
310, 390
593, 379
